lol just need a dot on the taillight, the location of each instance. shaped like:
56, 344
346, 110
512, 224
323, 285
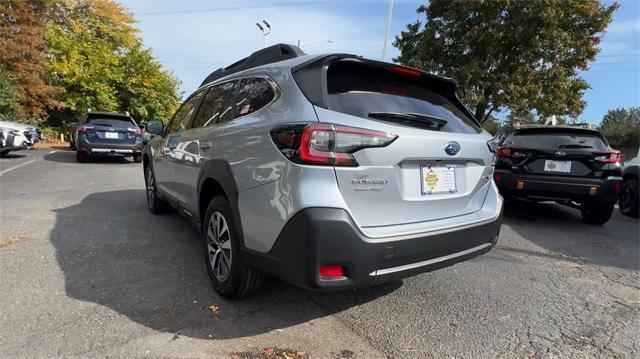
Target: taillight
326, 144
511, 153
84, 128
617, 186
497, 177
610, 156
503, 152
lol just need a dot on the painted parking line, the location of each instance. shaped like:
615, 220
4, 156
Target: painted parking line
23, 164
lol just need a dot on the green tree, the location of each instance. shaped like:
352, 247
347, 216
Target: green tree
98, 58
622, 127
9, 104
516, 54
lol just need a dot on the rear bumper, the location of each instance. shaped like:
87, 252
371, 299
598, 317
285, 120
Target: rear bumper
128, 149
558, 188
328, 236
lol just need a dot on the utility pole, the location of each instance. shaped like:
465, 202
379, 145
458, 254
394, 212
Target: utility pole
266, 30
388, 29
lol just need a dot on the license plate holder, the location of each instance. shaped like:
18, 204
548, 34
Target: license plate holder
557, 166
111, 135
438, 179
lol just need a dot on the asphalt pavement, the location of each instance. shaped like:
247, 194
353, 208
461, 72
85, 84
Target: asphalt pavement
87, 271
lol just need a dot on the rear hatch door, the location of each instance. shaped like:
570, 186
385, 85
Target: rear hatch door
556, 152
438, 167
111, 130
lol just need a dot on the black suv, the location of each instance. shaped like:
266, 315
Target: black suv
105, 134
571, 165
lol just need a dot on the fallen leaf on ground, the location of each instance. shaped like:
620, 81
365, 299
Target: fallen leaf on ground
214, 308
13, 240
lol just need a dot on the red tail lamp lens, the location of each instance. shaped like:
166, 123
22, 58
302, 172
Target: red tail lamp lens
503, 152
331, 271
611, 156
406, 71
497, 177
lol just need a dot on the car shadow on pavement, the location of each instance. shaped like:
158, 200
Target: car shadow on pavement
13, 155
70, 157
151, 269
560, 230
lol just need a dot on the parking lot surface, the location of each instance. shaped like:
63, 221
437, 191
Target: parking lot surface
87, 271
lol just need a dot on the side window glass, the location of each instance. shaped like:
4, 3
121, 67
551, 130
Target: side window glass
182, 118
253, 95
216, 106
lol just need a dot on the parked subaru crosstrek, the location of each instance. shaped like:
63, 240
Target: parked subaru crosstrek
328, 172
570, 165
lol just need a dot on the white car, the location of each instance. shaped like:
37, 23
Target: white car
15, 137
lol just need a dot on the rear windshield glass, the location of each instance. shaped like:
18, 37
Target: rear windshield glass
557, 140
359, 90
111, 122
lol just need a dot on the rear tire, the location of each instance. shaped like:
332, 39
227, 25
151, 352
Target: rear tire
629, 198
220, 244
137, 158
155, 204
596, 213
82, 157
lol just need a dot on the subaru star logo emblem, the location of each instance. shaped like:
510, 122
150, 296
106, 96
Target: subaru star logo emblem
452, 149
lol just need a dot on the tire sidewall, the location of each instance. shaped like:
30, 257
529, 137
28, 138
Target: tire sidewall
634, 192
229, 286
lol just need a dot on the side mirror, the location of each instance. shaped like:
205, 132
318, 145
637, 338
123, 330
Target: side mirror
155, 127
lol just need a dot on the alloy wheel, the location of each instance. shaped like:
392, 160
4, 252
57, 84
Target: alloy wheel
219, 246
151, 195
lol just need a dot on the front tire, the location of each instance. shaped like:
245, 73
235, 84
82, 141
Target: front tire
230, 277
155, 204
597, 213
628, 202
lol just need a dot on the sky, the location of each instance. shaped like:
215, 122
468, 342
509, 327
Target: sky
192, 38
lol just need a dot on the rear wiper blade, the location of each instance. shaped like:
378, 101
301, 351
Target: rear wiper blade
438, 121
574, 146
431, 121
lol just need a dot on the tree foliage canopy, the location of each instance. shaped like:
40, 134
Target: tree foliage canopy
59, 58
98, 58
516, 54
23, 66
622, 127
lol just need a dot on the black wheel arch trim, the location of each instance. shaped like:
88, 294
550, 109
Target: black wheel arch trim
220, 172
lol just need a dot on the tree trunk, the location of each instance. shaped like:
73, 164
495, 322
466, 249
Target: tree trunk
479, 114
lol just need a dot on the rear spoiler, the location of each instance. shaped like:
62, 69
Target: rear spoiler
310, 74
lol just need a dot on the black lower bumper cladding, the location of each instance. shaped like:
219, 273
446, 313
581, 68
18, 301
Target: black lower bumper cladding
328, 236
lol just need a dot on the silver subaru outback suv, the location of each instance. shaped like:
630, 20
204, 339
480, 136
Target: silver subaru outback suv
328, 172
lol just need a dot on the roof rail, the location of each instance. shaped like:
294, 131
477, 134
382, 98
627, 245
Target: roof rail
271, 54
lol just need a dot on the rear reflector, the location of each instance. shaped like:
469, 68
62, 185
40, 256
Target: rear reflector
519, 185
617, 186
331, 271
593, 191
497, 177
